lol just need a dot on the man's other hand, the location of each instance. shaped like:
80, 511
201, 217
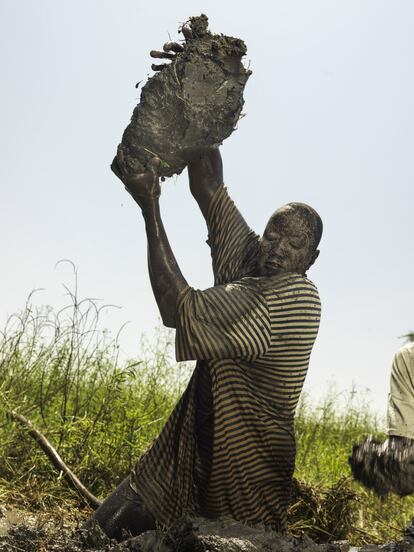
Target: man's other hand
143, 187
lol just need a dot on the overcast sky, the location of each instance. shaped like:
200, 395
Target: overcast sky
329, 121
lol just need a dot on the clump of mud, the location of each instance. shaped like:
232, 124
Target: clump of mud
384, 467
193, 102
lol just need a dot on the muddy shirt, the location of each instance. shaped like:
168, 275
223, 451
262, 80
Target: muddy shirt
228, 448
400, 413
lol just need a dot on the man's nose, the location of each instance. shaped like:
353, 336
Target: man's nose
283, 243
265, 244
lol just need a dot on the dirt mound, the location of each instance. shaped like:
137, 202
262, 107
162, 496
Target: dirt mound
184, 537
193, 102
189, 536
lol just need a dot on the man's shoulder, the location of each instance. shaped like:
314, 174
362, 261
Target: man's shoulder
405, 354
284, 284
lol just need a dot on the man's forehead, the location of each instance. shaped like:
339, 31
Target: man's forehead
287, 213
291, 218
285, 209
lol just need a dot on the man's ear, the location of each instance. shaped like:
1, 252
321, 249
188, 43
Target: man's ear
315, 255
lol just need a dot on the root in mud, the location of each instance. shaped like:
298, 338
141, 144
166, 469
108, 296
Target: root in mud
324, 513
192, 103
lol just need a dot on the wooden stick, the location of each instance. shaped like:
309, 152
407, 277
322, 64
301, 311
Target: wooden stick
56, 460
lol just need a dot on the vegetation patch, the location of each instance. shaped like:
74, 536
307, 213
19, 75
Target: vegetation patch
64, 373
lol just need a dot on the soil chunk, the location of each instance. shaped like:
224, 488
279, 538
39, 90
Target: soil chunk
384, 467
195, 101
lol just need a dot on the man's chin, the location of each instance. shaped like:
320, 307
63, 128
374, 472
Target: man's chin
270, 270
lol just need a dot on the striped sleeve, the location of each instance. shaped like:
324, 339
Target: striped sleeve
233, 244
228, 321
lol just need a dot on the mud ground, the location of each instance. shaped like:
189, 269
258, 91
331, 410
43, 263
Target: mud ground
24, 532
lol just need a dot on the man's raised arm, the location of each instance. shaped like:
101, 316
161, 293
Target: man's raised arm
166, 279
205, 172
233, 244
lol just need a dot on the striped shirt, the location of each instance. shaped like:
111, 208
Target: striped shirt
228, 448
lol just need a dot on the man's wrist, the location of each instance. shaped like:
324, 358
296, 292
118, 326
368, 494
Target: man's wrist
146, 203
150, 206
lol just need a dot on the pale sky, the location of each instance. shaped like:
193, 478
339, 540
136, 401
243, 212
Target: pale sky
329, 121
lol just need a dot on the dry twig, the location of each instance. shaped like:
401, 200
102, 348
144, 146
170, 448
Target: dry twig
56, 460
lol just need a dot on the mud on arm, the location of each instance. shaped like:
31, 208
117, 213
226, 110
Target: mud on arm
205, 172
166, 278
233, 244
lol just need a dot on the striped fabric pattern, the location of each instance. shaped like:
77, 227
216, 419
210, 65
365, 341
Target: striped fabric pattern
252, 338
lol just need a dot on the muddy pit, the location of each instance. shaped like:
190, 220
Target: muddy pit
194, 101
198, 535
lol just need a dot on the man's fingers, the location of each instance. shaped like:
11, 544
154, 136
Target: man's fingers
120, 157
173, 47
187, 32
161, 55
128, 190
155, 67
115, 168
154, 164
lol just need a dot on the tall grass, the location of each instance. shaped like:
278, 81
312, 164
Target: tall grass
335, 505
62, 371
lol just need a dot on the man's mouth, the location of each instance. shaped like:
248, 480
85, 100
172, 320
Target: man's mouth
273, 264
274, 260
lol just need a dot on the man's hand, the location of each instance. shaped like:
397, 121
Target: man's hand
170, 49
143, 187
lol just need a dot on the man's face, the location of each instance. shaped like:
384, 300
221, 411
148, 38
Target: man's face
287, 244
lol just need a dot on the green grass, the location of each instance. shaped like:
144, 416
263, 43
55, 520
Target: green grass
335, 505
64, 373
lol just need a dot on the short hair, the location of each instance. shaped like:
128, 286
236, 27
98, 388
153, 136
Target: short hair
312, 218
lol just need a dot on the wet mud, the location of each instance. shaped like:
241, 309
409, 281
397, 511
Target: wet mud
193, 102
196, 535
384, 467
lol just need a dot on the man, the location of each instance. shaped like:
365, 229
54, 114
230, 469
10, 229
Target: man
400, 413
389, 466
228, 448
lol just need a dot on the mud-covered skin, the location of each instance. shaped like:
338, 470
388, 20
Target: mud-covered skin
194, 102
386, 467
289, 242
123, 508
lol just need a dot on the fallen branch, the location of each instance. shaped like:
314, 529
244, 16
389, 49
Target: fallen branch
56, 460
